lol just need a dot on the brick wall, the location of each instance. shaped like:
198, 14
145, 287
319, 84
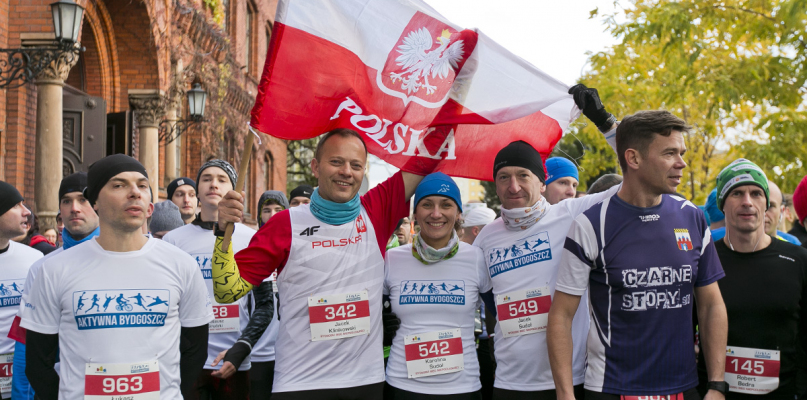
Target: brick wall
136, 44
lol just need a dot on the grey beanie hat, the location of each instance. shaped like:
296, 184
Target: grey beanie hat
224, 165
275, 195
166, 217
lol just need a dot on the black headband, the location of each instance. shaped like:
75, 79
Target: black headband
73, 183
9, 197
104, 169
520, 154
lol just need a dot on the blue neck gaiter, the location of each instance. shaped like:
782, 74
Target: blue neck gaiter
334, 213
70, 242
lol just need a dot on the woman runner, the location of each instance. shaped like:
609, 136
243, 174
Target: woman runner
433, 286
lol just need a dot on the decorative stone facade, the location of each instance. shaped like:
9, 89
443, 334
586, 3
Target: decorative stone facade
132, 46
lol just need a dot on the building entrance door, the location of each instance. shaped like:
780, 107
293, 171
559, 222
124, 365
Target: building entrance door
84, 130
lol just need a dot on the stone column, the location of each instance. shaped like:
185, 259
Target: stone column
49, 123
174, 106
171, 144
149, 108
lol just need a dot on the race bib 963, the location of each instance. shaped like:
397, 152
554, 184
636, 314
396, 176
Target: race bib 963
138, 381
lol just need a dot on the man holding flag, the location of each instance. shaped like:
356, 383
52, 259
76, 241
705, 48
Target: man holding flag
329, 256
397, 80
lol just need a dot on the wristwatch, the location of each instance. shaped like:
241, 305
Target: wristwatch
606, 126
721, 386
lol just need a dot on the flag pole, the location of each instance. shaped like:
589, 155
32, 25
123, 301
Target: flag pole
239, 185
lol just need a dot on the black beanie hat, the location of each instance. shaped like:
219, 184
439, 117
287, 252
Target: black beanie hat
520, 154
176, 183
9, 197
302, 191
73, 183
104, 169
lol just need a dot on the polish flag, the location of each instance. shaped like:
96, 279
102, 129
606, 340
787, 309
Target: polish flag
424, 93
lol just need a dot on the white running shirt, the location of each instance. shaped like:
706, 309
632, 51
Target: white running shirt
14, 266
435, 297
199, 242
522, 362
143, 298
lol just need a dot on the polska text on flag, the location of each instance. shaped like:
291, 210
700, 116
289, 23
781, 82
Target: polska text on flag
423, 92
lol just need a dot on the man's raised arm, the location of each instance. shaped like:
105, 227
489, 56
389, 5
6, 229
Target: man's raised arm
588, 101
267, 251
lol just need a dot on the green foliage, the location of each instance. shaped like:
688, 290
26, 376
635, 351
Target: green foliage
298, 163
490, 197
734, 70
217, 9
587, 149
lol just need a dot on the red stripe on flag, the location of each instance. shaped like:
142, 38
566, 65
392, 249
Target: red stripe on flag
307, 78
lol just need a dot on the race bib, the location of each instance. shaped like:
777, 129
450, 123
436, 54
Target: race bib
434, 353
339, 316
6, 362
679, 396
273, 278
138, 381
225, 319
752, 371
523, 312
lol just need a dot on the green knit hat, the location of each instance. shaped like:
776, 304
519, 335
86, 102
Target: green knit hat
738, 173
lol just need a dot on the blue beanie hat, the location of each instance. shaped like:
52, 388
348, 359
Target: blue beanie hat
714, 213
559, 167
438, 184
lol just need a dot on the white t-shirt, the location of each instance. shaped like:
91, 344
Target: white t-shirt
14, 266
430, 298
522, 362
199, 243
264, 349
117, 308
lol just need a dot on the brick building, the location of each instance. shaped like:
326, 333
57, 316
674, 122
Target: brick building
129, 84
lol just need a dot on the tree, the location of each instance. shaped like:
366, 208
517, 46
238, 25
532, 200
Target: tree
734, 70
490, 198
298, 163
592, 162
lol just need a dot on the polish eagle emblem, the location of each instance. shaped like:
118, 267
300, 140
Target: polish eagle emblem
418, 60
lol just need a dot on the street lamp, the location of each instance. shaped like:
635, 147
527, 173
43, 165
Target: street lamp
197, 97
66, 20
21, 66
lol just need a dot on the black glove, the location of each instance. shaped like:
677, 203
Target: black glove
588, 100
237, 354
390, 321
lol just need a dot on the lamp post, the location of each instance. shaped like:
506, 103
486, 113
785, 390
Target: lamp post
23, 65
197, 99
48, 65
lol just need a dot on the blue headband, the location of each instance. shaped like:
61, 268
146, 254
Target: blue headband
715, 215
559, 167
438, 184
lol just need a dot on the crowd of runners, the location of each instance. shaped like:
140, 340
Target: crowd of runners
408, 292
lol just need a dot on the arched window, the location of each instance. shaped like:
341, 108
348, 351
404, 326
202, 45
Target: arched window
269, 171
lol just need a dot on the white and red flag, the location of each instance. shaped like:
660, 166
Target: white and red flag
423, 92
